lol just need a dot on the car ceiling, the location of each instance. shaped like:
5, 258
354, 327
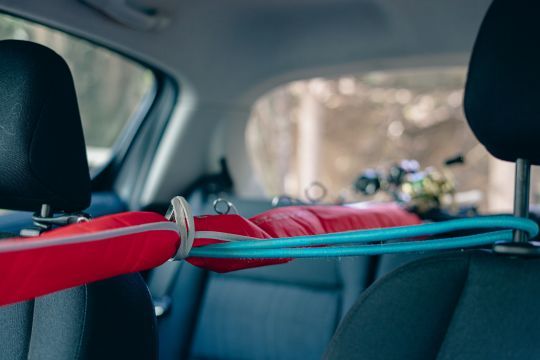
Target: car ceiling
224, 54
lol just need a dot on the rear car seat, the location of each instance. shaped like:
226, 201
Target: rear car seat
282, 312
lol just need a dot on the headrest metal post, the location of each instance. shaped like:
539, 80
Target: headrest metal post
521, 195
45, 211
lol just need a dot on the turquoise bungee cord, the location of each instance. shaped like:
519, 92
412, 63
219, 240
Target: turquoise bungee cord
355, 250
354, 243
385, 234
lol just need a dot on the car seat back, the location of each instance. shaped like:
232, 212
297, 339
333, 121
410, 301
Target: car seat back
44, 166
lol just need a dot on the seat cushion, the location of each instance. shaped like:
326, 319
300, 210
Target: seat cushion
279, 312
283, 311
471, 305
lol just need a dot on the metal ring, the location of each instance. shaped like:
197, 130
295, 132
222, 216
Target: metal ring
229, 206
315, 199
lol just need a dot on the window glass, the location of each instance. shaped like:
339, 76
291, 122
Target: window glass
330, 130
110, 88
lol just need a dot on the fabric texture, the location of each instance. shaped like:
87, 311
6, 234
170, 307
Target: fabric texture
112, 319
285, 311
306, 308
201, 322
42, 149
471, 305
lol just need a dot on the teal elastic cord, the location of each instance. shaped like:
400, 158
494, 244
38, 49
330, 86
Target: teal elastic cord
353, 243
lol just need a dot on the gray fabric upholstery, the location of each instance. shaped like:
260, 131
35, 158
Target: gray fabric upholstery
283, 311
111, 319
472, 305
60, 325
15, 330
389, 262
278, 312
252, 319
176, 326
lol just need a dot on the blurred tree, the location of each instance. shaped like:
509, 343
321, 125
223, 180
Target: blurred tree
366, 121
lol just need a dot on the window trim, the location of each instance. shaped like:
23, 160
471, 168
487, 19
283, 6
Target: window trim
130, 170
130, 129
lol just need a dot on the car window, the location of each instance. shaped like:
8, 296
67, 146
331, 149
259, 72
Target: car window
111, 89
329, 130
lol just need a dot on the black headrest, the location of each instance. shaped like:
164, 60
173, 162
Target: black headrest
42, 150
503, 85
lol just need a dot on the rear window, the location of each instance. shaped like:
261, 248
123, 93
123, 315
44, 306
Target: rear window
328, 130
112, 90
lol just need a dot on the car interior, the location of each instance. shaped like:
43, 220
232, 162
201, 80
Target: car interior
248, 107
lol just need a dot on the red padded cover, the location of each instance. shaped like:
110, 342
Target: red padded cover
62, 258
136, 241
294, 221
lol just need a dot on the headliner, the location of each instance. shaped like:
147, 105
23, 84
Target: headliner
226, 53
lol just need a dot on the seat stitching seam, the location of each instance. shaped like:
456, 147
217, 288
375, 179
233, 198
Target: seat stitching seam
31, 327
367, 293
83, 325
458, 301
